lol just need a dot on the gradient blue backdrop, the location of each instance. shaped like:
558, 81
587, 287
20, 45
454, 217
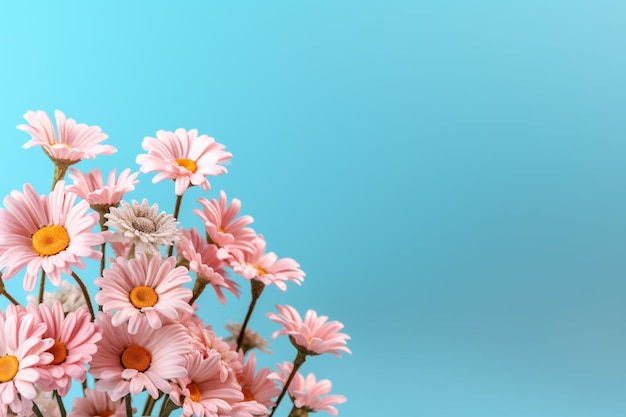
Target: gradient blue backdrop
449, 174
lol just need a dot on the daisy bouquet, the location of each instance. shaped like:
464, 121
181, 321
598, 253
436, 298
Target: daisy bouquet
137, 345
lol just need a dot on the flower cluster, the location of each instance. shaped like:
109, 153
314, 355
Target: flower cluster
143, 336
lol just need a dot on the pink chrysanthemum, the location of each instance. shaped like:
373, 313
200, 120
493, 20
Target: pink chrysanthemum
46, 232
266, 267
258, 390
101, 196
203, 260
202, 393
74, 142
314, 335
75, 340
184, 157
129, 363
143, 289
23, 350
306, 393
97, 404
223, 229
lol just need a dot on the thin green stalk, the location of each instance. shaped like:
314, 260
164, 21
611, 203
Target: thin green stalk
42, 286
129, 406
83, 288
60, 402
256, 288
297, 363
179, 199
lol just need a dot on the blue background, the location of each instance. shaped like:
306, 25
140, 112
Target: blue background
449, 174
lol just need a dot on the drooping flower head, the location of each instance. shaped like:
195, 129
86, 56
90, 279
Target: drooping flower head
143, 289
23, 350
75, 338
129, 363
223, 228
73, 143
307, 393
184, 157
204, 262
202, 393
97, 403
46, 232
266, 267
143, 225
101, 196
314, 335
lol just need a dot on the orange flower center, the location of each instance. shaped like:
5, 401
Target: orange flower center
187, 164
106, 413
247, 395
222, 230
50, 240
259, 269
59, 351
136, 357
9, 365
194, 392
143, 296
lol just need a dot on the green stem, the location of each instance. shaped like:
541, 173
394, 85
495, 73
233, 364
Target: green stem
167, 407
4, 292
198, 287
36, 410
85, 294
257, 288
147, 409
129, 407
179, 199
297, 363
60, 402
42, 286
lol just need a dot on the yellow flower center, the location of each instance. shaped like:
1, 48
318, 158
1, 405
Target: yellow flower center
50, 240
9, 365
259, 269
59, 351
188, 164
247, 395
194, 392
136, 357
67, 145
143, 296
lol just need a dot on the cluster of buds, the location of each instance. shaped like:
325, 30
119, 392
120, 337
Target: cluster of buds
143, 335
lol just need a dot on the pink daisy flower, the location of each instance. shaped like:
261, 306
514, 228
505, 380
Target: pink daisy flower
202, 393
23, 350
144, 290
101, 196
97, 403
314, 335
258, 391
75, 340
184, 157
223, 229
46, 232
129, 363
74, 142
266, 267
203, 260
306, 393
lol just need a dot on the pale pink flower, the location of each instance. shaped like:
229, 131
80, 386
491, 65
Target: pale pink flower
258, 390
73, 143
101, 196
69, 295
314, 336
97, 403
306, 393
23, 350
206, 342
129, 363
266, 267
142, 225
223, 228
203, 260
251, 339
75, 340
144, 290
46, 403
184, 157
46, 232
202, 393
